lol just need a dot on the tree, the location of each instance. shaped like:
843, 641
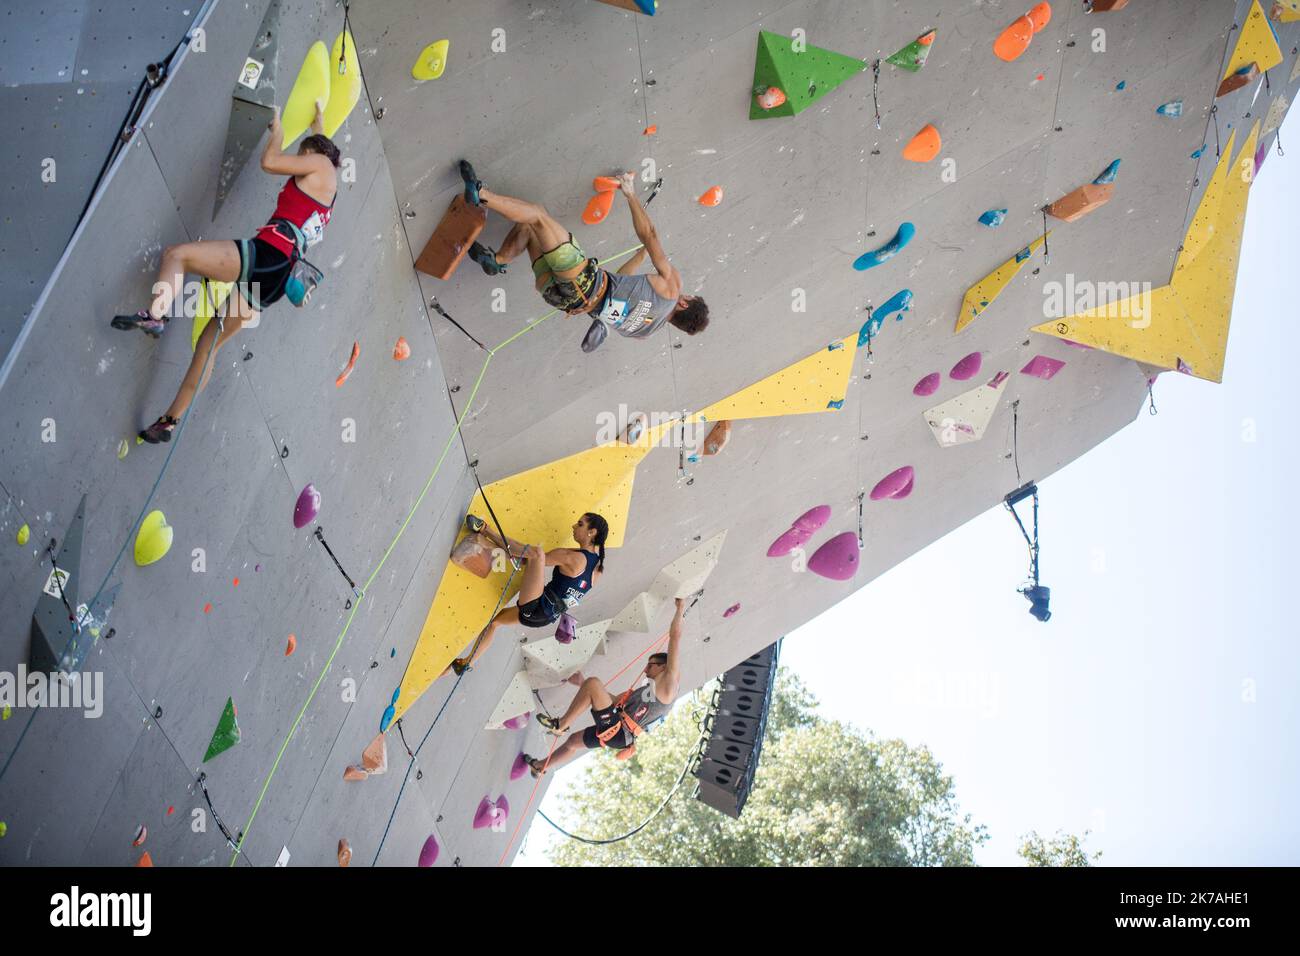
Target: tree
824, 795
1064, 849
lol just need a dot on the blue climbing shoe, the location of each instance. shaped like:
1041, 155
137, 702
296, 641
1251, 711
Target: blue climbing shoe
486, 258
472, 183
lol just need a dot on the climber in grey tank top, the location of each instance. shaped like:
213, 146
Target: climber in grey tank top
636, 305
617, 720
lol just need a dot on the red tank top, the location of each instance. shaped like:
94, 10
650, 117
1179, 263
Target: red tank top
300, 209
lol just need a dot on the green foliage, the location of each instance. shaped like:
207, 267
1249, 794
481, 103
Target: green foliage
825, 795
1064, 849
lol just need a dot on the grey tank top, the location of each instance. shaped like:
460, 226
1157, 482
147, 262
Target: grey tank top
644, 707
633, 308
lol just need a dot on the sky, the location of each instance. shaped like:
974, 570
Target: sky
1158, 707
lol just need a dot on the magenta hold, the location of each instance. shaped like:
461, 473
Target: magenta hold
1043, 366
516, 723
896, 484
968, 367
429, 852
812, 519
731, 610
308, 506
788, 542
837, 559
928, 385
519, 767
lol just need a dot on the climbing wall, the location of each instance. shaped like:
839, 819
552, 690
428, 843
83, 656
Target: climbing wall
882, 297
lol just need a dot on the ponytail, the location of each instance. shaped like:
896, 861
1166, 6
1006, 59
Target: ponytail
601, 527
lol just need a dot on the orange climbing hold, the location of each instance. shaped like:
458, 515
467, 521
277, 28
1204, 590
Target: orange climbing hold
1236, 81
345, 853
402, 350
1077, 204
290, 645
474, 553
145, 859
924, 146
207, 608
352, 363
598, 208
1014, 40
711, 197
1040, 15
605, 184
236, 582
650, 131
354, 774
770, 98
718, 437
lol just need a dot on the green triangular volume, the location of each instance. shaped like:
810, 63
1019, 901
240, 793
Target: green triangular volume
913, 56
804, 77
227, 733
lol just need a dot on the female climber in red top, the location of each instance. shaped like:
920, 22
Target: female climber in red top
259, 266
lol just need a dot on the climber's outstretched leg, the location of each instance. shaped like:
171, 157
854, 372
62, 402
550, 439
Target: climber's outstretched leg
592, 695
563, 754
530, 589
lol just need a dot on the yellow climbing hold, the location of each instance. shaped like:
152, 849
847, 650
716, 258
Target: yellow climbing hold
311, 87
24, 534
809, 385
432, 61
6, 713
122, 449
4, 827
1183, 325
1256, 44
981, 295
344, 87
153, 540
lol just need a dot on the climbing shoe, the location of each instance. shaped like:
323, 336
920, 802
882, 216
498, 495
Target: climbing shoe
159, 431
460, 666
487, 258
533, 767
474, 523
472, 183
143, 321
551, 723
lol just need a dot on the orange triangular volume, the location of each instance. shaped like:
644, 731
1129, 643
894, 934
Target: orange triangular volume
924, 146
375, 756
1014, 40
598, 208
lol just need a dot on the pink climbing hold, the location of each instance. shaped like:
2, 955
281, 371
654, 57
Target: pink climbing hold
967, 368
897, 484
788, 542
812, 519
928, 385
517, 723
305, 511
519, 767
429, 852
484, 814
837, 559
1043, 366
731, 610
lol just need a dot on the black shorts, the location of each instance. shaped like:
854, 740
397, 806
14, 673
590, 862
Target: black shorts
605, 718
541, 611
263, 270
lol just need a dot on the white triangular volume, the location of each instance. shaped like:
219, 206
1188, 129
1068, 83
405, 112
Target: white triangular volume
687, 574
518, 699
638, 615
1295, 72
963, 419
550, 663
1276, 111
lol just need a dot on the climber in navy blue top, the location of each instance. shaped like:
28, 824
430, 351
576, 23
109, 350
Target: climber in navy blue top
540, 604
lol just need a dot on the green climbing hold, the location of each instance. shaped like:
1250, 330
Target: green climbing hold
803, 76
913, 56
227, 733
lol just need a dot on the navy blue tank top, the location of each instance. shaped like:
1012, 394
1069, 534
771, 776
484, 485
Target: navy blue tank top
569, 591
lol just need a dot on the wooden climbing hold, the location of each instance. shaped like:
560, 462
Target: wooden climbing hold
1078, 203
1236, 81
717, 438
450, 242
290, 645
402, 350
924, 146
712, 196
352, 364
375, 757
345, 853
598, 208
354, 774
473, 553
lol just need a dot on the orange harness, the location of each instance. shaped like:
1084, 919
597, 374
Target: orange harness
633, 728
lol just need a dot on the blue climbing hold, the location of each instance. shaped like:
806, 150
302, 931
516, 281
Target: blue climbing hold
837, 403
395, 694
834, 346
886, 252
899, 302
1197, 154
1022, 255
389, 713
1109, 175
1172, 108
693, 459
393, 652
1121, 84
993, 218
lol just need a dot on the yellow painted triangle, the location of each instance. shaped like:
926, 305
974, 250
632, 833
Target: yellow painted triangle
1186, 321
1285, 11
537, 506
809, 385
981, 295
1256, 44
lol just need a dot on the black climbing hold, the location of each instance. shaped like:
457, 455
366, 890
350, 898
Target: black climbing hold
1025, 342
697, 538
707, 638
647, 83
677, 345
1036, 271
284, 452
871, 233
1071, 43
439, 820
455, 389
348, 605
157, 713
374, 664
111, 632
865, 437
410, 214
867, 376
419, 775
1059, 128
379, 113
474, 463
690, 481
247, 356
875, 152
